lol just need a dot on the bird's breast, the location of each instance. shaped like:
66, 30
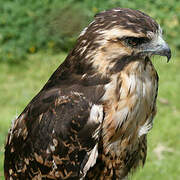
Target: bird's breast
129, 100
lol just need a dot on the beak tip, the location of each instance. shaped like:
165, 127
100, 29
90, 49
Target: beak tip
168, 54
168, 59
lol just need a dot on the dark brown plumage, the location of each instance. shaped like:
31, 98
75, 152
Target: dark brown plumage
91, 118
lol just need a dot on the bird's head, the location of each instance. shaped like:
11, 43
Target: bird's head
120, 34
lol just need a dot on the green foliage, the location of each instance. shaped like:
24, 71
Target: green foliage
30, 26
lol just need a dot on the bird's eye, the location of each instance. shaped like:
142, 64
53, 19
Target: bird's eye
134, 41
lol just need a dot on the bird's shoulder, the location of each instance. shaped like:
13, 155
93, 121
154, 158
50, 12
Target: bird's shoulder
57, 131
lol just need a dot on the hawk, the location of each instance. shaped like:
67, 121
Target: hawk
90, 120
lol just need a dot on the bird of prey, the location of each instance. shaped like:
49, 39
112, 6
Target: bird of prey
91, 118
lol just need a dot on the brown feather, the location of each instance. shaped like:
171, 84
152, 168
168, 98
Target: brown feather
91, 118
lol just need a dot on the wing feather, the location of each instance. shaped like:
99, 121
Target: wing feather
55, 137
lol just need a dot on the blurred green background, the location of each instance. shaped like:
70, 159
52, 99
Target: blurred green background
35, 37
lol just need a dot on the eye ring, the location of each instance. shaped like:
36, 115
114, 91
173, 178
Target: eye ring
134, 41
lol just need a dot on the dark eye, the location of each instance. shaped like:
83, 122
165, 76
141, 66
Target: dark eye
134, 41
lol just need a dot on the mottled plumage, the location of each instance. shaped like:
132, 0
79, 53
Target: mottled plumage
91, 118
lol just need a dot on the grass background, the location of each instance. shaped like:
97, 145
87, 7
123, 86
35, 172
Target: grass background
19, 83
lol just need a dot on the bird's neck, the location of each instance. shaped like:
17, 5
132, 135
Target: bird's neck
129, 94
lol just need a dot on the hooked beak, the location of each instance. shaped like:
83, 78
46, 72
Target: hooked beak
159, 47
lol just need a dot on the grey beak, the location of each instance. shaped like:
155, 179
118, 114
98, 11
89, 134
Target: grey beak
163, 50
158, 47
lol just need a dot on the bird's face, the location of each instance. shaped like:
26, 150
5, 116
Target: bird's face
121, 42
118, 34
